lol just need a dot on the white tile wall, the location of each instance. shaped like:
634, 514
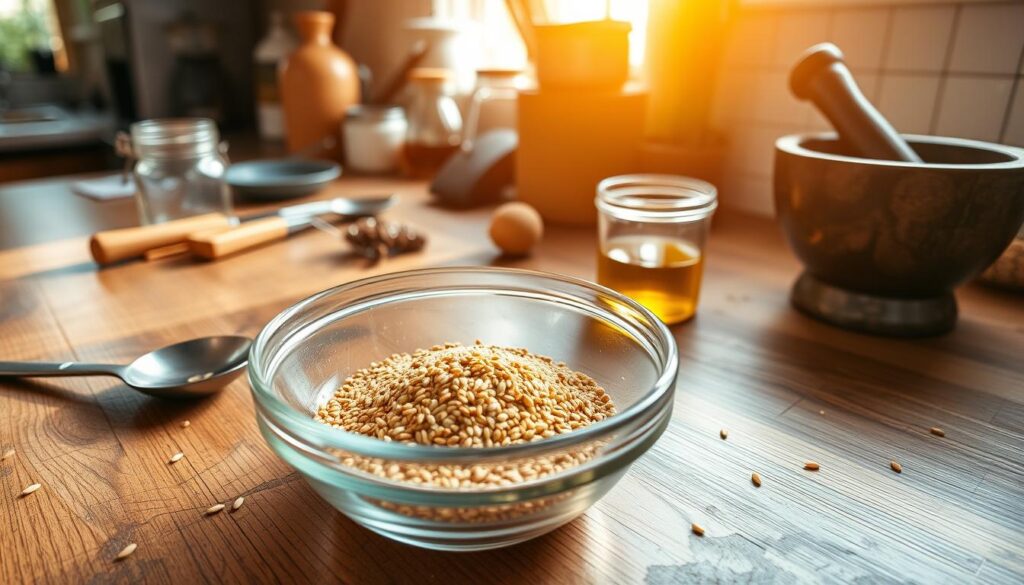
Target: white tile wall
939, 68
861, 34
1015, 123
797, 32
774, 101
988, 39
974, 107
752, 41
919, 38
908, 101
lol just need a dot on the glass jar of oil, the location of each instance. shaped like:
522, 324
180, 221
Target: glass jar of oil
652, 230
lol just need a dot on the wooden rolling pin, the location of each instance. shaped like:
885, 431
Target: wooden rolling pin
213, 245
823, 78
115, 245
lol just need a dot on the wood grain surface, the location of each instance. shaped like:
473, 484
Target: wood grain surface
787, 389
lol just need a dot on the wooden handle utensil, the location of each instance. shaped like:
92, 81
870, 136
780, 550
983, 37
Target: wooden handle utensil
112, 246
211, 246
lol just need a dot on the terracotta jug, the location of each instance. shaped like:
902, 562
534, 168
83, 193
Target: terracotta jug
319, 82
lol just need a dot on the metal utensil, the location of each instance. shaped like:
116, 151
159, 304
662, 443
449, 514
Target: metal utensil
189, 369
282, 223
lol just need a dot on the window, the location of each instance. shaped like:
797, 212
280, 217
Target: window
30, 38
503, 47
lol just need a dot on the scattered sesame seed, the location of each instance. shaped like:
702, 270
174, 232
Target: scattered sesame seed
126, 552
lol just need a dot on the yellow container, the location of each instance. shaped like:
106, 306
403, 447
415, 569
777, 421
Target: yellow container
569, 141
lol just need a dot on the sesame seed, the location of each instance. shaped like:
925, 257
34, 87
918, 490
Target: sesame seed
126, 552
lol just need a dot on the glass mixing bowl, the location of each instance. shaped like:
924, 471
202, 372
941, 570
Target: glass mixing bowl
302, 356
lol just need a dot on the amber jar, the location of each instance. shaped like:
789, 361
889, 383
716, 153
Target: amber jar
319, 82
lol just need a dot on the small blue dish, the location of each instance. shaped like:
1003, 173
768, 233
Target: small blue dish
281, 178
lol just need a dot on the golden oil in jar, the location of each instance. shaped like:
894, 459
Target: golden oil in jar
662, 274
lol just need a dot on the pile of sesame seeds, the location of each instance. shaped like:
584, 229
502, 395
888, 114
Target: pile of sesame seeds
467, 396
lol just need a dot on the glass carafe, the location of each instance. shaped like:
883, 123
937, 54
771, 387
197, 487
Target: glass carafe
435, 123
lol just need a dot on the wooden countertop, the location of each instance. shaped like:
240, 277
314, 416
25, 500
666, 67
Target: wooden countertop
787, 388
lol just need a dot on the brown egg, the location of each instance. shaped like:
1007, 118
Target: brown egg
516, 228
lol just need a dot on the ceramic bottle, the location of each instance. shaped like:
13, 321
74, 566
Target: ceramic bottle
319, 82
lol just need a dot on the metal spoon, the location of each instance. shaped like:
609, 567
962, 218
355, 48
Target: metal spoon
189, 369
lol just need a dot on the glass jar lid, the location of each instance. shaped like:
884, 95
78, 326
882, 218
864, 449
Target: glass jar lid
174, 137
656, 198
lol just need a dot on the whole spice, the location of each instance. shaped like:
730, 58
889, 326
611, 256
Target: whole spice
214, 509
185, 424
937, 432
376, 239
755, 479
31, 488
175, 458
237, 503
811, 466
126, 552
724, 434
896, 467
697, 529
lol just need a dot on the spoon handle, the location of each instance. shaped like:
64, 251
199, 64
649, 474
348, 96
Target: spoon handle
58, 369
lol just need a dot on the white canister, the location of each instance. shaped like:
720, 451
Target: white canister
374, 136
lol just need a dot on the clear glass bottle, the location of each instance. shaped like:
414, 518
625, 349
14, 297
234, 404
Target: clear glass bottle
179, 169
435, 123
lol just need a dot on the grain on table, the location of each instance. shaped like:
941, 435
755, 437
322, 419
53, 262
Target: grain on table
126, 552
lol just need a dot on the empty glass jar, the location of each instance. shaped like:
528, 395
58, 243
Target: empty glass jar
179, 168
